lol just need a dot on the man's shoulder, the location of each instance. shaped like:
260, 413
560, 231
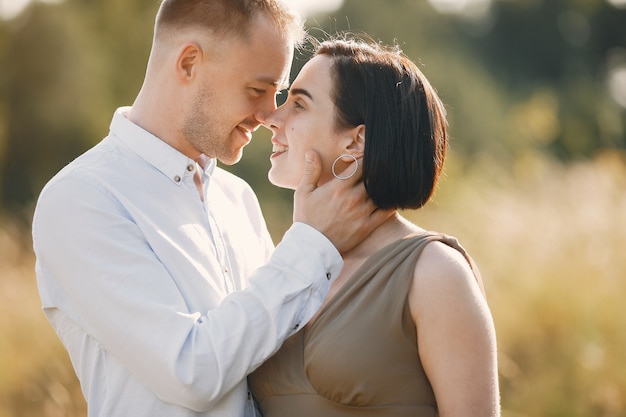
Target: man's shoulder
87, 160
98, 165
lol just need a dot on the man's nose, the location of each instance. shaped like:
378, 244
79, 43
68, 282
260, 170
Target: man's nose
274, 119
265, 111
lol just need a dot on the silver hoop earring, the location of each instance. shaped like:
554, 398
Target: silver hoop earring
356, 166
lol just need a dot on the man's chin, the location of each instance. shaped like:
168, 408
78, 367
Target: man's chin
231, 159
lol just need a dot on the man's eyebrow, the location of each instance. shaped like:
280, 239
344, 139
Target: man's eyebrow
267, 79
301, 92
279, 85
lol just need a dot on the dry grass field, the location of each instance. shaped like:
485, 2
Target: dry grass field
549, 240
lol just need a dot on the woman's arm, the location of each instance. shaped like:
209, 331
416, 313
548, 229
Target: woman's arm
455, 334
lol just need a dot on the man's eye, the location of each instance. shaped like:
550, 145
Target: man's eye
257, 91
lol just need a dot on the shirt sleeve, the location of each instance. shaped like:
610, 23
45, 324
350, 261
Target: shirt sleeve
95, 267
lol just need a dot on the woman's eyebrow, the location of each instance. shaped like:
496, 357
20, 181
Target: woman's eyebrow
300, 91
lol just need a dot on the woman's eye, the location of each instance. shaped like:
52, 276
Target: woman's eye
297, 105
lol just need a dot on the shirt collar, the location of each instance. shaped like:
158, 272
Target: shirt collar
155, 151
207, 164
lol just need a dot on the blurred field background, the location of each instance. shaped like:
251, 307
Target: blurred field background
535, 183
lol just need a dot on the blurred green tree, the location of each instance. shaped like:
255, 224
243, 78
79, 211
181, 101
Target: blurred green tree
526, 77
65, 68
560, 50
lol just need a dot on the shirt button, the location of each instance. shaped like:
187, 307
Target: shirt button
177, 178
297, 326
328, 276
225, 270
190, 167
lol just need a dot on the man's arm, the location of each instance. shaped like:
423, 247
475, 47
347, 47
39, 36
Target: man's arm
96, 269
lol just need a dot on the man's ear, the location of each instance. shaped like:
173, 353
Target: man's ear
188, 60
357, 146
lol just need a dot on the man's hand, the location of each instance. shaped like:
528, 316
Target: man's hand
340, 209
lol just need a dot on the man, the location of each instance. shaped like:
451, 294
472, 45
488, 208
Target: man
153, 265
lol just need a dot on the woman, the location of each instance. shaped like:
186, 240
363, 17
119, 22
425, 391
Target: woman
405, 329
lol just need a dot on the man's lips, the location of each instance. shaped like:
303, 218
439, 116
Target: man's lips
245, 133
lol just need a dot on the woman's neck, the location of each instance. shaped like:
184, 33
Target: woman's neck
394, 228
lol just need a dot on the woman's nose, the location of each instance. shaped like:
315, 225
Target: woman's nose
272, 120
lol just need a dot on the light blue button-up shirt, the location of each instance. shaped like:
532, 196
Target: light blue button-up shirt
166, 302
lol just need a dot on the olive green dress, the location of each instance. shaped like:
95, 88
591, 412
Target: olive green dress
360, 356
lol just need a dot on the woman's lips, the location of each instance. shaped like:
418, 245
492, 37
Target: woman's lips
278, 148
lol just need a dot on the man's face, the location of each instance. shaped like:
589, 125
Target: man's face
236, 90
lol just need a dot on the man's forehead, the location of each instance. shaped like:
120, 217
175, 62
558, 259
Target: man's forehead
279, 84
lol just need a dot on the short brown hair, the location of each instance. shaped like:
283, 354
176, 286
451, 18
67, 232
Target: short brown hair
228, 17
405, 122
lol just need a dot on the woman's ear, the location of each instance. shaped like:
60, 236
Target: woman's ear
357, 145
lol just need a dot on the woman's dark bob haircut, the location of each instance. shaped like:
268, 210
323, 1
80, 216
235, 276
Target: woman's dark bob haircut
405, 123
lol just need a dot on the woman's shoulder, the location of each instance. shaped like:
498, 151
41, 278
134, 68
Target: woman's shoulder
441, 260
444, 274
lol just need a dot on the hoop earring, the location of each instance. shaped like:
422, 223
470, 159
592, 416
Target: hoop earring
356, 167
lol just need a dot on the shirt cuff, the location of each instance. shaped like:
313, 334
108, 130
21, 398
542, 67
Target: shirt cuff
330, 255
313, 257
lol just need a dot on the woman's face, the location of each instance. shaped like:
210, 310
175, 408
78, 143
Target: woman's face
307, 121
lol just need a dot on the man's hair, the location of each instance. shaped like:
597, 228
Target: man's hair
405, 122
227, 17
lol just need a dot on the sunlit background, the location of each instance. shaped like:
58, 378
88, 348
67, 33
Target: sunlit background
9, 9
535, 182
